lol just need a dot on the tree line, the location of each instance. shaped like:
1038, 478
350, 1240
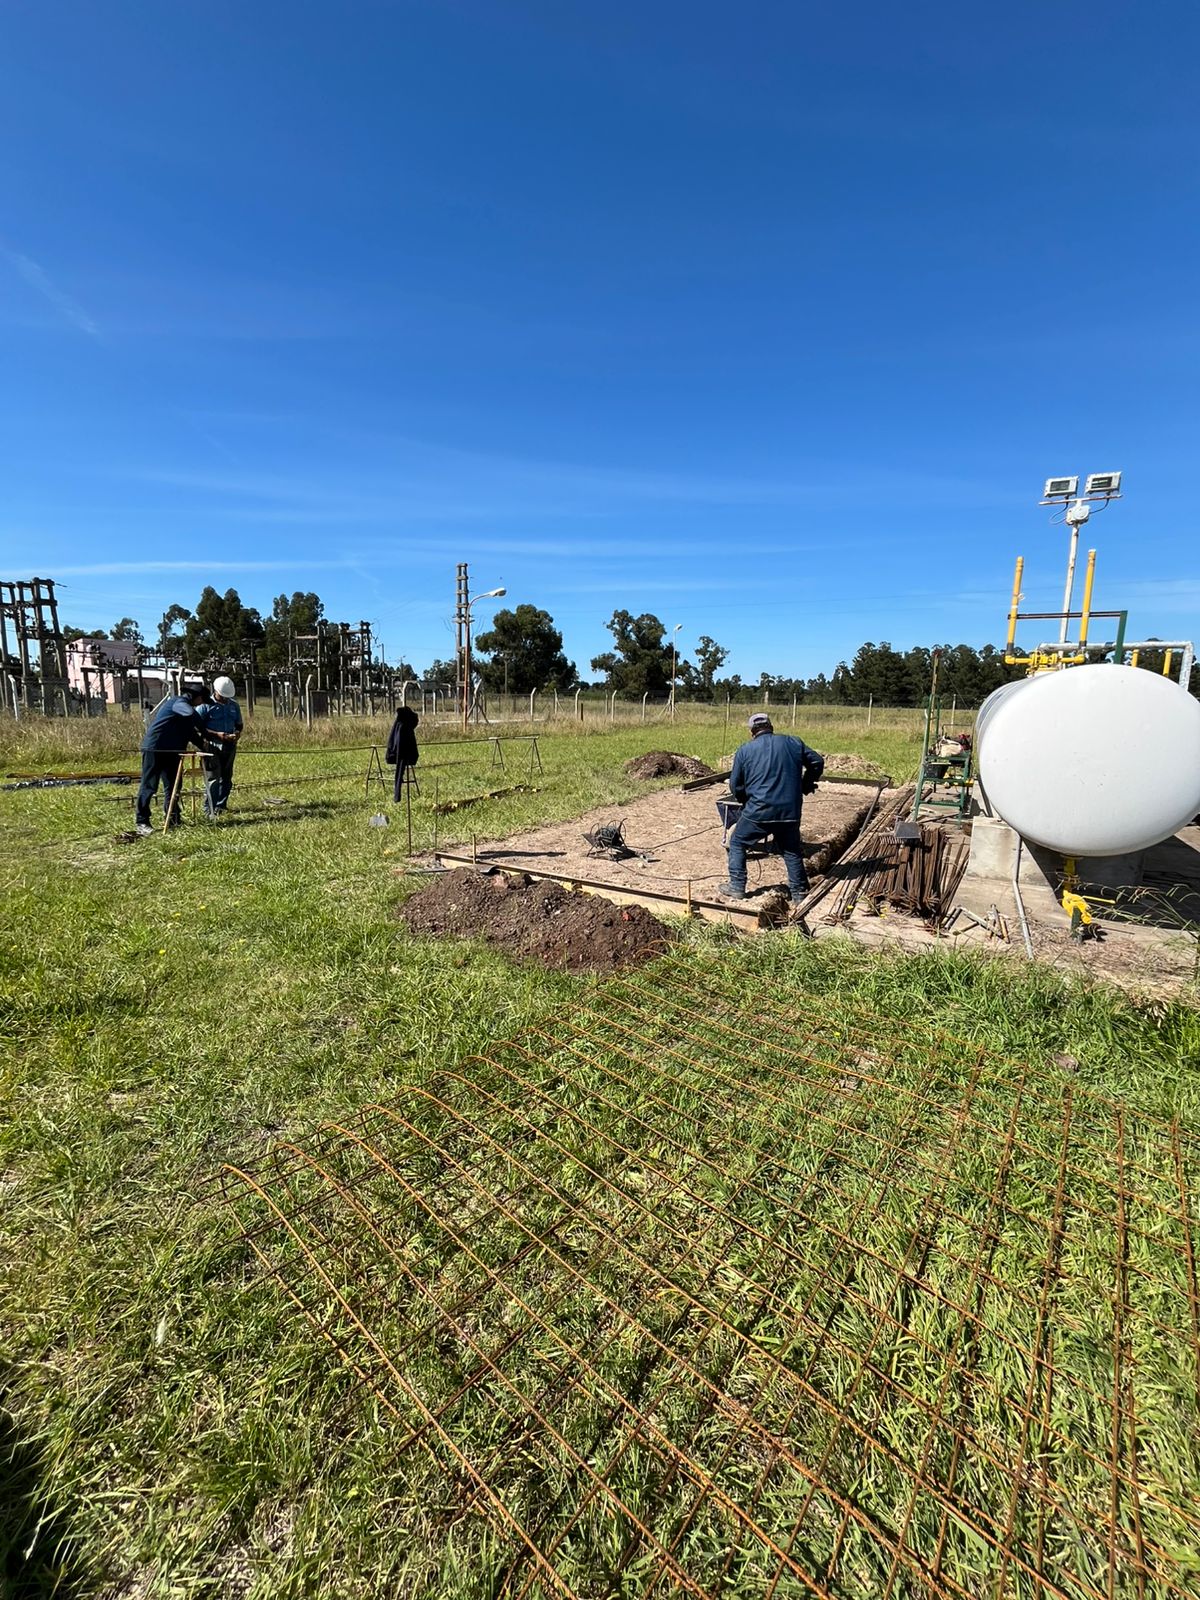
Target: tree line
522, 651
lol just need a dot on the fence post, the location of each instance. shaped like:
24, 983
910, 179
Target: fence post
612, 707
870, 706
532, 698
727, 699
578, 707
793, 711
556, 705
645, 697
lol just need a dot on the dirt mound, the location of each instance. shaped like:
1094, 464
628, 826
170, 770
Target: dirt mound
666, 764
842, 764
561, 928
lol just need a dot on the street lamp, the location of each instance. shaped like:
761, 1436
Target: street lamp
674, 654
488, 594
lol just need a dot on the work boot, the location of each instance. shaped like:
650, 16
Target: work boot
730, 891
144, 830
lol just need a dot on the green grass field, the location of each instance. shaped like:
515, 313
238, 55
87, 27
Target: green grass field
179, 1003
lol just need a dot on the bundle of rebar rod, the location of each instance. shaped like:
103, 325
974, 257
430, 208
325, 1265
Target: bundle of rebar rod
920, 876
891, 805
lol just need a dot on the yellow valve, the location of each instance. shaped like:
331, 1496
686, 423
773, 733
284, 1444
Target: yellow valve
1079, 912
1073, 904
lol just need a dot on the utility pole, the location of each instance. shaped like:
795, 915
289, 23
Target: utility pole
462, 647
462, 616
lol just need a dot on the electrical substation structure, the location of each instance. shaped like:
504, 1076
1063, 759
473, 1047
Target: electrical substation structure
35, 664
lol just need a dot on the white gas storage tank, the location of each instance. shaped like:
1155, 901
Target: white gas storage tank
1091, 761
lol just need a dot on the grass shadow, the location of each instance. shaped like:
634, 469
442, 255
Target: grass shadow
37, 1555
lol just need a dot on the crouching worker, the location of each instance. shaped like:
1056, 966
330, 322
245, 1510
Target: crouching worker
771, 775
221, 720
172, 728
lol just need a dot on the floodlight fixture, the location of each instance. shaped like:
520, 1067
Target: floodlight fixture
1103, 484
1060, 488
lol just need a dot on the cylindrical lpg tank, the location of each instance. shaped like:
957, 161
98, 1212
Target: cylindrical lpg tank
1091, 761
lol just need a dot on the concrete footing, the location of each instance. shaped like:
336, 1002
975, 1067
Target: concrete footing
988, 878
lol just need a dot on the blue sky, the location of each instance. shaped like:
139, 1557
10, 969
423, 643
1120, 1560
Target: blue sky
769, 319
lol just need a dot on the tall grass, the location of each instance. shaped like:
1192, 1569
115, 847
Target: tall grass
37, 743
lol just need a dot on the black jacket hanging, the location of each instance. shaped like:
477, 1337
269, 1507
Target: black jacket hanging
402, 751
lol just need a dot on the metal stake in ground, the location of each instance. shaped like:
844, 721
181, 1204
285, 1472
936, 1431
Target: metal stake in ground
174, 795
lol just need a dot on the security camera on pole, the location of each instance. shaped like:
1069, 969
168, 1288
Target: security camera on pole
1100, 487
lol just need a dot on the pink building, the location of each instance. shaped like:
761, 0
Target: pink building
105, 670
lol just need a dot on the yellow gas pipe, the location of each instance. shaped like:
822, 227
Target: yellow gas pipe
1012, 611
1167, 658
1087, 604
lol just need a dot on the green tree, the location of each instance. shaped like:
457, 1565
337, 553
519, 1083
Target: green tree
222, 627
641, 663
170, 642
126, 631
526, 651
290, 618
441, 672
710, 658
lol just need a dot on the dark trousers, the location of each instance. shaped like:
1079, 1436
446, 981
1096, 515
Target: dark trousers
784, 838
218, 780
158, 766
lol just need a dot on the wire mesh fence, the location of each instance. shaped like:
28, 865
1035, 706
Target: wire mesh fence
694, 1292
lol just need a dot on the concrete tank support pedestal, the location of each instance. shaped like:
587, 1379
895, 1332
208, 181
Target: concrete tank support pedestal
988, 878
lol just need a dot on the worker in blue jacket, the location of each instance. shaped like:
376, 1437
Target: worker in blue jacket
771, 775
221, 719
172, 728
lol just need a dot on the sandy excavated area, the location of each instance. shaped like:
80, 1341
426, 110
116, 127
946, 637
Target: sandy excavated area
678, 837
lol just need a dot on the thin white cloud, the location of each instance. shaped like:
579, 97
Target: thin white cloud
433, 480
38, 278
98, 569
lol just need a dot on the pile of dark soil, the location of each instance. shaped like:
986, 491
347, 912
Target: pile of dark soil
559, 927
666, 764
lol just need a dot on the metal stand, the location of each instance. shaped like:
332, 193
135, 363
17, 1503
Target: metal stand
951, 772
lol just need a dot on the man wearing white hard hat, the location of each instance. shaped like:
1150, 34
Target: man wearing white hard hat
222, 722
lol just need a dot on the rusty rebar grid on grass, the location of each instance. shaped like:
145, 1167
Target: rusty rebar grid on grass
695, 1293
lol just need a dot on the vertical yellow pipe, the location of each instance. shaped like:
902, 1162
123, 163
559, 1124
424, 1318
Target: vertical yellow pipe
1167, 663
1087, 599
1012, 610
1133, 660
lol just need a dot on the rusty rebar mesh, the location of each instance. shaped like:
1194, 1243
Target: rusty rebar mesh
686, 1293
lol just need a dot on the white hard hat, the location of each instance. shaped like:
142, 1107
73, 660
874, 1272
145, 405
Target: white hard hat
225, 688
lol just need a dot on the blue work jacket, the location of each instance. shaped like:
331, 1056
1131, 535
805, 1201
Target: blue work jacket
221, 716
770, 775
173, 727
